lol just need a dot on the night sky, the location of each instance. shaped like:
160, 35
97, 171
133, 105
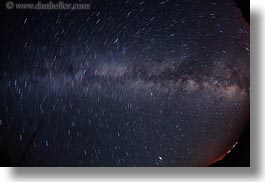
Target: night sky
126, 83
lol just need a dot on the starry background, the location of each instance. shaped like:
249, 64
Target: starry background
240, 155
126, 83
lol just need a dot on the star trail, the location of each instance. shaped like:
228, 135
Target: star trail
125, 83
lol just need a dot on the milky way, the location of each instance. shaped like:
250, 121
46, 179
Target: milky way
126, 83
